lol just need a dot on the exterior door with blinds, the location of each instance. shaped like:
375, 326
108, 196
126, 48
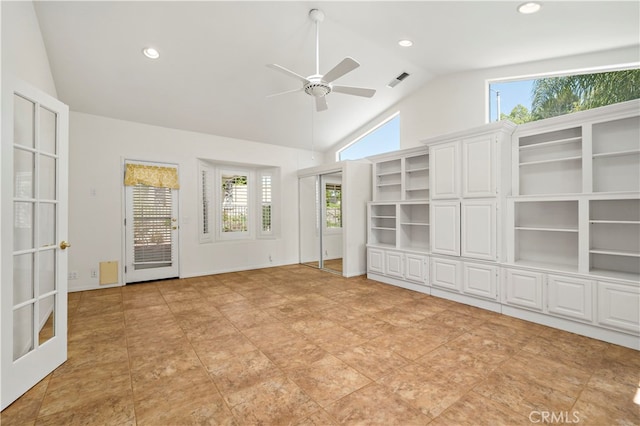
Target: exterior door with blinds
151, 229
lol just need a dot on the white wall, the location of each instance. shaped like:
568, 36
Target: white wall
459, 101
23, 51
98, 146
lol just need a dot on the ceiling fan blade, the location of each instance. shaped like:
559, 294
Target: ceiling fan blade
284, 93
357, 91
288, 72
321, 103
347, 65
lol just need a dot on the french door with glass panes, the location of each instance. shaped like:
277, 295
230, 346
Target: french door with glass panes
34, 229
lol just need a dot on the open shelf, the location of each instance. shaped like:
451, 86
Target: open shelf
617, 153
552, 160
614, 234
528, 228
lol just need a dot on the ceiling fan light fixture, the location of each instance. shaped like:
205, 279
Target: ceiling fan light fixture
529, 7
405, 43
151, 53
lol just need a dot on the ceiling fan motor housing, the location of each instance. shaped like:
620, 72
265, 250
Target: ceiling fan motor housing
317, 88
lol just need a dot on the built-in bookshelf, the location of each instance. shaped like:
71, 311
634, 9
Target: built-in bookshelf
382, 224
546, 234
416, 177
614, 237
414, 226
388, 180
616, 155
550, 162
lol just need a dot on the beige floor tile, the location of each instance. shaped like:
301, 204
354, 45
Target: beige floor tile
242, 371
274, 401
294, 345
475, 410
371, 360
375, 405
328, 379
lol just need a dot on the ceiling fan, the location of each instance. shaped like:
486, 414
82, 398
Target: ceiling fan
318, 85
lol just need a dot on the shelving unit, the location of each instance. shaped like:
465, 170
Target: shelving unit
614, 229
616, 155
416, 177
382, 225
388, 180
550, 162
414, 226
546, 234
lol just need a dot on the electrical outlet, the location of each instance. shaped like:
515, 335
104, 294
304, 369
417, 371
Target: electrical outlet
73, 275
94, 273
270, 259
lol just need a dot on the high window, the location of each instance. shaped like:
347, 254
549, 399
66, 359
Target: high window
385, 137
538, 98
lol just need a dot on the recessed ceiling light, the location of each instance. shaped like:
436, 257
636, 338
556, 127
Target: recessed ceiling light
529, 7
151, 53
405, 43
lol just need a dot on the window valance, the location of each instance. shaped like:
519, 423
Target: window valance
157, 176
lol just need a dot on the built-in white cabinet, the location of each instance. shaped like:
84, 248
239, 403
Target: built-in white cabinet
445, 166
446, 273
523, 289
480, 280
416, 268
539, 221
375, 260
393, 261
445, 229
619, 306
479, 167
478, 229
570, 297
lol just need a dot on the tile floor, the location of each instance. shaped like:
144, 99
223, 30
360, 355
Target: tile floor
293, 345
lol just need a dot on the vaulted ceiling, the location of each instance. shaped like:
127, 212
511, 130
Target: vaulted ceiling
211, 76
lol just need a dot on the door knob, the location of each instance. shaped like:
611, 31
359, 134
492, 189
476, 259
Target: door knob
64, 245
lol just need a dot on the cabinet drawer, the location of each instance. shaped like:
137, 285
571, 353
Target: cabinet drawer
523, 289
619, 306
446, 274
480, 280
570, 297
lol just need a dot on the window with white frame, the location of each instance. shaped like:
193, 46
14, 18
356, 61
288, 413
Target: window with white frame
333, 205
237, 202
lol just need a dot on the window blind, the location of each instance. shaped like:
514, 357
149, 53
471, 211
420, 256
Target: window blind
152, 226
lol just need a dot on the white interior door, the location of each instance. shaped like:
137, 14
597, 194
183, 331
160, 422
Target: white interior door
34, 230
151, 233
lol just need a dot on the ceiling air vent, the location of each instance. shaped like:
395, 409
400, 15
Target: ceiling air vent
397, 80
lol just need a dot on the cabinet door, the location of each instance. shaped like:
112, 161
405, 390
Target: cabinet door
619, 306
480, 280
479, 167
445, 228
446, 274
393, 264
375, 261
415, 268
570, 297
523, 289
445, 168
478, 234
